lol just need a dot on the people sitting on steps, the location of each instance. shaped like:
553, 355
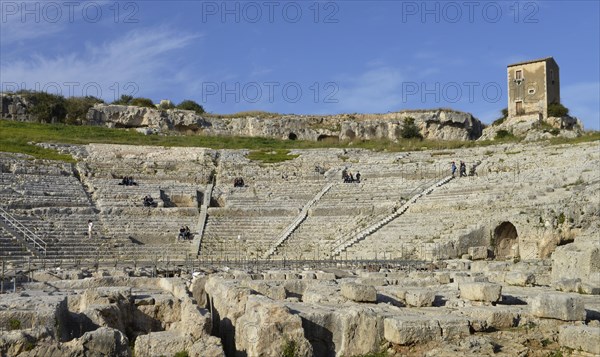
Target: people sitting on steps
238, 182
347, 176
128, 181
149, 201
184, 233
472, 171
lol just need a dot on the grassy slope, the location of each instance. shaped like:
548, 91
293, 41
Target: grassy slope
16, 136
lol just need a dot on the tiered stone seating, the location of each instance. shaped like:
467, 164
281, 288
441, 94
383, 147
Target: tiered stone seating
345, 209
10, 247
256, 233
52, 201
48, 199
273, 195
193, 166
506, 183
258, 213
174, 177
28, 191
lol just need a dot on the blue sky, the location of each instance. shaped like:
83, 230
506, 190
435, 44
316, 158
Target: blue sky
302, 57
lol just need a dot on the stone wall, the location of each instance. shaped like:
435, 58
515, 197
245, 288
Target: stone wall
15, 107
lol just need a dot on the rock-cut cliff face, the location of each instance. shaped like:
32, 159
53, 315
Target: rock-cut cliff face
433, 124
439, 124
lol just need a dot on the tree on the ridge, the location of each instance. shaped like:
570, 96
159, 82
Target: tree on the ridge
78, 107
191, 105
410, 130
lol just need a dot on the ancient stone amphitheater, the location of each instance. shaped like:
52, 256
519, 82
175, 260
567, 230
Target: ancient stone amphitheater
409, 262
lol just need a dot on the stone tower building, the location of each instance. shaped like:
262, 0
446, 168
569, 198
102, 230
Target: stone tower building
532, 86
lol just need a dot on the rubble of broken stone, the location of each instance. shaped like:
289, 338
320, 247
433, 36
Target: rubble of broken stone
466, 308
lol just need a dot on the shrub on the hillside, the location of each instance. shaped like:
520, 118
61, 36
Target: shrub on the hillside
166, 105
502, 118
46, 107
504, 134
557, 110
410, 130
142, 102
77, 108
138, 102
191, 105
124, 100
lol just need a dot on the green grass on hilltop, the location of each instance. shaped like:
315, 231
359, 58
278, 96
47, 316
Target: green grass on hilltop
16, 136
271, 156
585, 138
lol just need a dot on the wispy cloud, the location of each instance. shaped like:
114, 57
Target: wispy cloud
141, 58
25, 21
14, 30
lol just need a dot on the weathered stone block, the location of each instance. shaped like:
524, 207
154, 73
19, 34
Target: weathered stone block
308, 275
564, 307
487, 292
519, 278
406, 330
197, 289
163, 343
568, 285
580, 338
577, 261
358, 292
443, 278
209, 347
105, 342
478, 253
325, 276
453, 327
419, 298
495, 317
484, 266
271, 290
374, 281
265, 326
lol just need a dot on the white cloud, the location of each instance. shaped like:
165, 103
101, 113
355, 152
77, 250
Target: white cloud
14, 30
21, 22
141, 57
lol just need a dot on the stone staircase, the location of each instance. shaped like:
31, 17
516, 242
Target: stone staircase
10, 247
27, 239
299, 219
345, 243
197, 243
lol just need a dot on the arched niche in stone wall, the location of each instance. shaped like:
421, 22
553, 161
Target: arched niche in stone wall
505, 241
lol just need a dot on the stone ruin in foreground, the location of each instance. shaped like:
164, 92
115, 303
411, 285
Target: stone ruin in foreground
409, 262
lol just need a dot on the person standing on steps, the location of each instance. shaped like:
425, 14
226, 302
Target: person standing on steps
90, 228
453, 168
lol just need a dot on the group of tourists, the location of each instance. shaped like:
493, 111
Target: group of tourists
184, 233
149, 201
238, 182
462, 169
128, 181
348, 177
